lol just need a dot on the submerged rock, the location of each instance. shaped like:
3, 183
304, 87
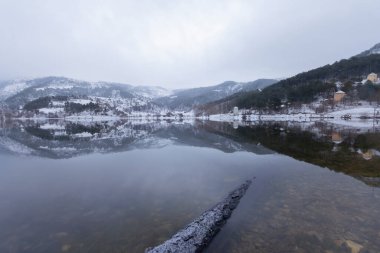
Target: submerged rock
353, 246
198, 234
66, 247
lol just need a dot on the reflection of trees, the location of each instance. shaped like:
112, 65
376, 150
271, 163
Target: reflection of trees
75, 128
350, 153
354, 154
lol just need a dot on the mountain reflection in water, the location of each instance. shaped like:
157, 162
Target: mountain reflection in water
352, 151
123, 186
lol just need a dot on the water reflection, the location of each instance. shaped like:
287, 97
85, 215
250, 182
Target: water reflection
123, 186
343, 149
60, 139
354, 151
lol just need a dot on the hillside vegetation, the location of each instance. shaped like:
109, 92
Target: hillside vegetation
305, 87
186, 99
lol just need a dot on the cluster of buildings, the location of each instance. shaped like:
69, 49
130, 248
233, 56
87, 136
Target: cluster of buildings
339, 95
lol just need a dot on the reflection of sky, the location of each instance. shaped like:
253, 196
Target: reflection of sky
95, 193
133, 199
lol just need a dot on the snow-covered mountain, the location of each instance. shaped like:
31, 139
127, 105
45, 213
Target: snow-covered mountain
152, 92
186, 99
373, 50
51, 91
10, 88
18, 93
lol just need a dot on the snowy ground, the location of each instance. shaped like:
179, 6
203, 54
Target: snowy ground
366, 111
51, 110
92, 118
362, 117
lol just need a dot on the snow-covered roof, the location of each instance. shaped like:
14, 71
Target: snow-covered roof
340, 92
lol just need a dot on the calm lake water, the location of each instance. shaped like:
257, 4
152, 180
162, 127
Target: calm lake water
125, 186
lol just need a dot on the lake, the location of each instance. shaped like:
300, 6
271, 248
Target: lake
124, 186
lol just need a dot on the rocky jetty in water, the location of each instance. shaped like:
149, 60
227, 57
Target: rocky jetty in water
198, 234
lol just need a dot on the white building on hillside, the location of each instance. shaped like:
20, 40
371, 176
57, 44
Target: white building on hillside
373, 78
236, 111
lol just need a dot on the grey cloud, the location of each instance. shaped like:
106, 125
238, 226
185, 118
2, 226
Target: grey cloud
180, 43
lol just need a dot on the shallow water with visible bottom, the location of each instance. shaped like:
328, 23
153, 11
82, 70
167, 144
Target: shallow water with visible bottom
124, 191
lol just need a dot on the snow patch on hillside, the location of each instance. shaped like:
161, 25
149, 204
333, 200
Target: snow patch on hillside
56, 87
51, 110
151, 92
12, 89
80, 101
83, 135
236, 88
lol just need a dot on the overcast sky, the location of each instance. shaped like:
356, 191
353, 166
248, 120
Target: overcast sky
179, 44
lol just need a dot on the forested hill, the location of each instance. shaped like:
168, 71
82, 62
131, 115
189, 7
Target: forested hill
302, 88
188, 98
